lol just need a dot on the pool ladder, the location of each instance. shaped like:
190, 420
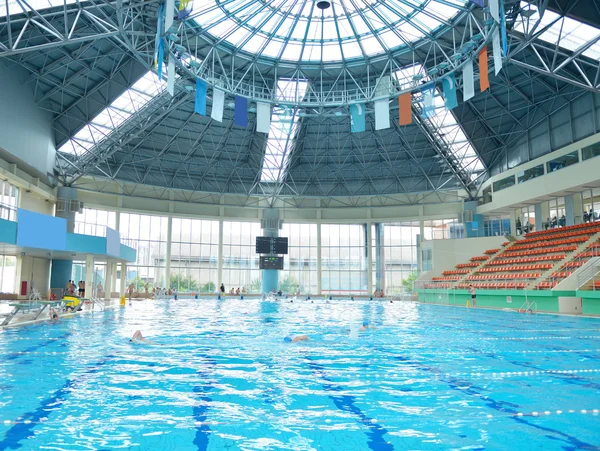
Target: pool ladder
528, 306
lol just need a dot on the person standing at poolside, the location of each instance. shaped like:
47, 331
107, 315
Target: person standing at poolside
222, 288
130, 289
473, 296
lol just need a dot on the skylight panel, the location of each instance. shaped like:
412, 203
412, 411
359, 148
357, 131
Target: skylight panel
284, 123
36, 5
121, 109
565, 32
444, 126
302, 22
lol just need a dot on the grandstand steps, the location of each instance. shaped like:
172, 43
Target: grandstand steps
572, 256
465, 278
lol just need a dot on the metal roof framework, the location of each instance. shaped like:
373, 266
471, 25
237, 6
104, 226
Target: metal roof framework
84, 56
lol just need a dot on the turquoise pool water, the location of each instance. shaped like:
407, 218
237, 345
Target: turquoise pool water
429, 377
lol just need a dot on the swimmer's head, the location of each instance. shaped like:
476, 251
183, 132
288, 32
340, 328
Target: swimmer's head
365, 323
287, 339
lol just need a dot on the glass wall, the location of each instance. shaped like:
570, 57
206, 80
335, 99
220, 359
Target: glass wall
150, 235
400, 253
94, 222
9, 196
591, 204
300, 265
194, 255
442, 229
8, 273
240, 260
343, 259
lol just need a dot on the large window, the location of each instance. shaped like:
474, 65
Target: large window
8, 201
343, 259
194, 255
94, 222
300, 268
150, 234
443, 229
8, 273
400, 254
240, 261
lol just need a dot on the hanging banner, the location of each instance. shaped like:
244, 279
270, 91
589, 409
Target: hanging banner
428, 103
217, 105
357, 118
497, 52
171, 76
263, 117
240, 114
200, 104
405, 109
484, 78
382, 114
494, 10
449, 85
169, 13
468, 83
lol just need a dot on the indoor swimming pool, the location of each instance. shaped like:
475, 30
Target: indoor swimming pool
221, 377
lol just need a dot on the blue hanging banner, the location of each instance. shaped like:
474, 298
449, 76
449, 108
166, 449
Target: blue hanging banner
241, 112
449, 84
161, 57
478, 3
357, 118
158, 56
428, 103
200, 105
503, 29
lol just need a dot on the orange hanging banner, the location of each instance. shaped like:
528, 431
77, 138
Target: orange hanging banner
405, 108
484, 79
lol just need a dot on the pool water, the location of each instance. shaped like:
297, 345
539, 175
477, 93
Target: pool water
222, 378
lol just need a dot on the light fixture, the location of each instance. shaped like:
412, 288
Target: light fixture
323, 4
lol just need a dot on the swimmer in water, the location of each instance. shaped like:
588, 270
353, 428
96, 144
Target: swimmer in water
138, 338
366, 326
295, 338
53, 316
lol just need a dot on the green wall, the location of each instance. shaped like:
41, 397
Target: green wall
547, 301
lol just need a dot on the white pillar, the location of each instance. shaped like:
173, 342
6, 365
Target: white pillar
220, 268
90, 283
319, 278
108, 286
369, 259
123, 278
168, 256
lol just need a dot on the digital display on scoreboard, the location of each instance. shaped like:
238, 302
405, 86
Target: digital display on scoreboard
271, 263
263, 244
280, 245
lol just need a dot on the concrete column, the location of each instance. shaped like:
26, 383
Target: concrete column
380, 258
220, 261
90, 283
68, 194
369, 239
574, 209
539, 217
577, 208
319, 271
270, 277
168, 256
123, 278
108, 285
513, 221
114, 276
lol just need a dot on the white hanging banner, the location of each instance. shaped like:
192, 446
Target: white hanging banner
218, 105
494, 10
171, 76
382, 114
263, 117
497, 51
468, 82
169, 13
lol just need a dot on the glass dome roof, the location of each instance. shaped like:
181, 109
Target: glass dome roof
299, 30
